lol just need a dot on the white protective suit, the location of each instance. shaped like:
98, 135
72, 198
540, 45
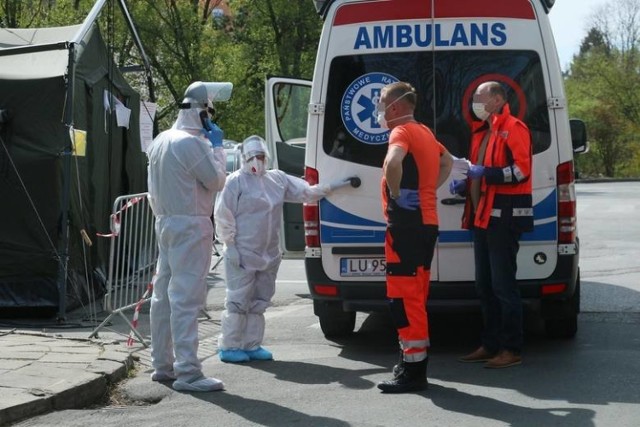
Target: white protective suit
248, 214
184, 174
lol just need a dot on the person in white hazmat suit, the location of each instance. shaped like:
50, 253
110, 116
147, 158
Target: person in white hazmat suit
186, 168
248, 213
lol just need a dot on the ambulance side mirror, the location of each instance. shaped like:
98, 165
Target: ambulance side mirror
578, 136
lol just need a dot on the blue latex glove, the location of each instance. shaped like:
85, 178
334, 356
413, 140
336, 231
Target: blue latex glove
215, 134
408, 199
457, 186
475, 171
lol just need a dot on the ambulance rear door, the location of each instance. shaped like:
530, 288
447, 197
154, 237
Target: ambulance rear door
486, 41
286, 102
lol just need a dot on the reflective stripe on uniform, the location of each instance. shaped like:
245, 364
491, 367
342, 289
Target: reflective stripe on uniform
405, 345
519, 212
414, 357
508, 175
518, 174
414, 350
522, 211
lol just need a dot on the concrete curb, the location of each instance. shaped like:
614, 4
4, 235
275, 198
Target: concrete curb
41, 373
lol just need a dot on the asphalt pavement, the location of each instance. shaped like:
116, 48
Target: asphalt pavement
50, 366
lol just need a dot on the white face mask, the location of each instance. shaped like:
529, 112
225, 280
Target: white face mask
381, 110
256, 167
381, 120
480, 111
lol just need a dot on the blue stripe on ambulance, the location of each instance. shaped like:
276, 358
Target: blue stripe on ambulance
339, 226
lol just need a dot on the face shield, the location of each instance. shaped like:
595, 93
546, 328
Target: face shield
255, 156
198, 102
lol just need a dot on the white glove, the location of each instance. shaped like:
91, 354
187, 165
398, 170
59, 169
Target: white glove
342, 182
232, 255
324, 188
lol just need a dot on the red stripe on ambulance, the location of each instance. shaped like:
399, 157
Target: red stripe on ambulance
391, 10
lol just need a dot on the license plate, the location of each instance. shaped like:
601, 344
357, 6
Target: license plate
351, 267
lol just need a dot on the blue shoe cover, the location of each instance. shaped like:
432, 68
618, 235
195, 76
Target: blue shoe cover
233, 356
259, 354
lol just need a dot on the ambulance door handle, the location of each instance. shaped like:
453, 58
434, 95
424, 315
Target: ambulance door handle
453, 201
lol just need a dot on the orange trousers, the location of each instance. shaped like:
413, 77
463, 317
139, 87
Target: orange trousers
409, 252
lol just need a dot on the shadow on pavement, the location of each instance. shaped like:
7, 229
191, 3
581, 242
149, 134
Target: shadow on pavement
266, 413
311, 373
453, 400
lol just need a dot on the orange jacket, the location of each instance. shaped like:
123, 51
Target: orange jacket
505, 189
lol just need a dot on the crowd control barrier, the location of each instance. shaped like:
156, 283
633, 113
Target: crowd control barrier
132, 259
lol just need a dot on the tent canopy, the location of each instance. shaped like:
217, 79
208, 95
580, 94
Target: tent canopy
39, 64
53, 84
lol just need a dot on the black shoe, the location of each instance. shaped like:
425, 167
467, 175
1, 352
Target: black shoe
399, 367
412, 377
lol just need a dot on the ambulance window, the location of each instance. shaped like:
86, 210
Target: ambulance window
291, 118
443, 81
457, 76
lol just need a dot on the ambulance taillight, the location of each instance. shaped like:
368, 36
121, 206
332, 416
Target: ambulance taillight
310, 213
566, 204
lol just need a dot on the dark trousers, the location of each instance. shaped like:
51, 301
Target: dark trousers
495, 252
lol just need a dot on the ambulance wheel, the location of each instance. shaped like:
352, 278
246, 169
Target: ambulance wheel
334, 321
562, 328
565, 326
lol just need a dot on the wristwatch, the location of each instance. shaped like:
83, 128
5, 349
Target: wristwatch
392, 196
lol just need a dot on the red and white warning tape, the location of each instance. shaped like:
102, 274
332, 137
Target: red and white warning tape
115, 218
136, 312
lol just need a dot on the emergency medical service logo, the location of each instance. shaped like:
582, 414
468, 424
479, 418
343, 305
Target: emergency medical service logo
358, 108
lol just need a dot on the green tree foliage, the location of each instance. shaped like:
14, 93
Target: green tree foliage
267, 37
260, 38
42, 13
603, 87
181, 45
185, 43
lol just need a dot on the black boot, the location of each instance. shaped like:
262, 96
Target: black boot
399, 367
412, 377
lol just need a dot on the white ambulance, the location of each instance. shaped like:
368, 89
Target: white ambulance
445, 49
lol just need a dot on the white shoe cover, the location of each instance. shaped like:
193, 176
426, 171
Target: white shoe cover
200, 384
162, 376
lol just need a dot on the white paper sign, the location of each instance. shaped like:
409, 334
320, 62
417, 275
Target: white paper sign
123, 114
147, 114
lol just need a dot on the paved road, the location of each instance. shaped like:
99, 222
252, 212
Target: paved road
589, 381
609, 226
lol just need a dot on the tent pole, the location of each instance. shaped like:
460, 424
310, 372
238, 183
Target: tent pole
64, 243
88, 21
63, 262
138, 42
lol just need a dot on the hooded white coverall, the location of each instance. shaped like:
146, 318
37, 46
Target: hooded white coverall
184, 174
248, 214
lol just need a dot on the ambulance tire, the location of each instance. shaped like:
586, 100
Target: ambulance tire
565, 327
334, 321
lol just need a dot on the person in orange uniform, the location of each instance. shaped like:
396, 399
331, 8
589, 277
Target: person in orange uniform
498, 209
416, 164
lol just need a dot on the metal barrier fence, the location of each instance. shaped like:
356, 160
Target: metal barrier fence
132, 259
